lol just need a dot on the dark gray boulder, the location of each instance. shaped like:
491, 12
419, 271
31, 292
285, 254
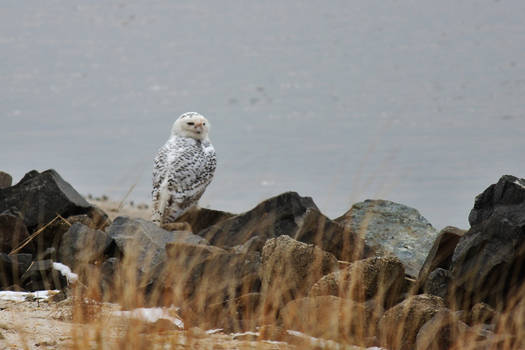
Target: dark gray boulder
438, 283
440, 255
13, 232
41, 196
12, 267
141, 241
202, 275
83, 245
254, 244
391, 228
5, 180
315, 228
143, 248
41, 275
201, 218
487, 265
279, 215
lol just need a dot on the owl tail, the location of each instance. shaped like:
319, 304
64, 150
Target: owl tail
164, 197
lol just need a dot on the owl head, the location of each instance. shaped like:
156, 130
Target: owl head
191, 124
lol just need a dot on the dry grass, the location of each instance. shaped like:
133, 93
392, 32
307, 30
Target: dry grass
93, 325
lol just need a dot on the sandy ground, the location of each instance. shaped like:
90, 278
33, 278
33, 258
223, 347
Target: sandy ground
48, 325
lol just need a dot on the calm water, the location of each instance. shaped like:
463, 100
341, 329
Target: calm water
344, 100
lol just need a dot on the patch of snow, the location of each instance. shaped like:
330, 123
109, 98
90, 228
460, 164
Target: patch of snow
274, 342
245, 333
518, 182
325, 343
22, 296
213, 331
151, 315
66, 272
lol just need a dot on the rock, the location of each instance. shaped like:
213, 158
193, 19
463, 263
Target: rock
82, 245
5, 180
49, 253
315, 228
200, 271
487, 265
438, 283
95, 218
441, 332
201, 218
42, 276
391, 228
41, 196
330, 317
108, 272
13, 232
254, 244
234, 315
12, 267
273, 217
143, 245
48, 239
440, 255
482, 313
380, 277
290, 268
400, 325
189, 238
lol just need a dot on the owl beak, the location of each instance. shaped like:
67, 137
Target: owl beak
198, 125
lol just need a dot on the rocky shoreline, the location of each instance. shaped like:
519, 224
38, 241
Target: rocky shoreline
379, 275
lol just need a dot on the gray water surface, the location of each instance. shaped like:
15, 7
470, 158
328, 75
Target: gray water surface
417, 102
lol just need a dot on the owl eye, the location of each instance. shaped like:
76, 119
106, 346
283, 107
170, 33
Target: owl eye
190, 123
203, 123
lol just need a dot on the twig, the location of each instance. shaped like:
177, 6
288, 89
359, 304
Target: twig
30, 238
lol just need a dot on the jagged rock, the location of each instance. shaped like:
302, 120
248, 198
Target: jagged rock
233, 315
143, 244
12, 267
95, 218
441, 332
482, 313
391, 228
41, 196
315, 228
273, 217
290, 268
5, 180
108, 279
47, 241
203, 275
380, 277
42, 276
400, 324
440, 255
487, 264
438, 283
254, 244
82, 245
201, 218
332, 318
13, 232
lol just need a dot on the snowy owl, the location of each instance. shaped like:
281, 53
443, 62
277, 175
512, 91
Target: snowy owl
183, 168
